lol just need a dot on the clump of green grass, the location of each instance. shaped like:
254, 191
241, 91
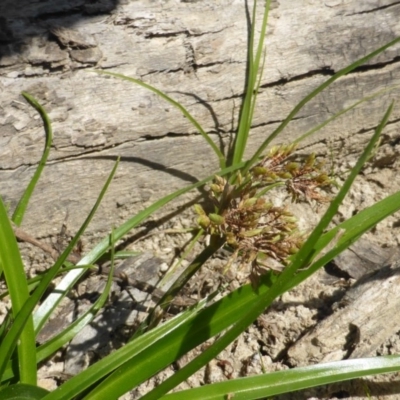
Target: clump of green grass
243, 219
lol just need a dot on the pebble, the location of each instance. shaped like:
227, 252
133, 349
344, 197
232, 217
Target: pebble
164, 267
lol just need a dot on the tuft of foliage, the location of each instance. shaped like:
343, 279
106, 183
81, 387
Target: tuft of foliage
259, 234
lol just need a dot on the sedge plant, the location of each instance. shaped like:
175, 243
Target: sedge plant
243, 219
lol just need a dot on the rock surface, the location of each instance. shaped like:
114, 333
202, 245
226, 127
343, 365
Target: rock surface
196, 52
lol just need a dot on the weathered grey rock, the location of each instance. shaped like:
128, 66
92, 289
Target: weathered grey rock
196, 52
354, 330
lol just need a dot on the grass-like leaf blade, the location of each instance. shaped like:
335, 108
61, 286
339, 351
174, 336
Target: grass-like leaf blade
183, 110
107, 365
9, 342
43, 313
23, 203
275, 383
253, 67
352, 228
14, 273
22, 391
103, 246
309, 97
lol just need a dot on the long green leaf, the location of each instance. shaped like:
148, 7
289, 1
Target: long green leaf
54, 344
9, 342
102, 247
23, 203
43, 313
79, 383
343, 111
206, 324
177, 105
14, 273
275, 383
69, 333
309, 97
22, 392
47, 349
305, 254
191, 269
253, 66
352, 229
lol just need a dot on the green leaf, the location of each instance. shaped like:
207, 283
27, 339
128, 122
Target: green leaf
352, 229
317, 241
156, 349
54, 344
22, 392
9, 342
14, 273
275, 383
69, 333
309, 97
95, 373
45, 310
343, 111
103, 246
307, 252
23, 203
177, 105
253, 67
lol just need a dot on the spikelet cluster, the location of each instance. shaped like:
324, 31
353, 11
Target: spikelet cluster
259, 233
